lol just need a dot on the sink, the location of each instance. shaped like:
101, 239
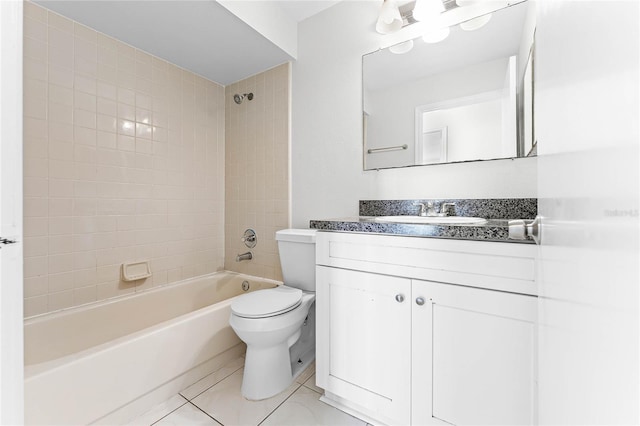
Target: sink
444, 220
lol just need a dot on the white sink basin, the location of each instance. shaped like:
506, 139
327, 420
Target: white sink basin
445, 220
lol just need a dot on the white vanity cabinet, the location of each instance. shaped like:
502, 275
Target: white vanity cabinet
426, 331
366, 331
473, 356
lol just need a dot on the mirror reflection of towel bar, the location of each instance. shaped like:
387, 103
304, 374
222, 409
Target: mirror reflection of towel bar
388, 148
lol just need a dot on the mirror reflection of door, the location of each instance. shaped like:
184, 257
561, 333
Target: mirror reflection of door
477, 127
432, 147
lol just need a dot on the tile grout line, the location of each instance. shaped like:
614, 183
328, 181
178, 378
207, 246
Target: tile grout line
186, 401
200, 393
319, 393
208, 415
280, 405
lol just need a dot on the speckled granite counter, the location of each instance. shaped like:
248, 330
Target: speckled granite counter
495, 229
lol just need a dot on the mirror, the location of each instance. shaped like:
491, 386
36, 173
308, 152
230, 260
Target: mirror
468, 97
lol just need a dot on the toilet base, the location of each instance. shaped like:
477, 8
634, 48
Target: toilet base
267, 372
270, 370
303, 352
301, 364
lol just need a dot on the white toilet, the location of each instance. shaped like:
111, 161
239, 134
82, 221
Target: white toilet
278, 325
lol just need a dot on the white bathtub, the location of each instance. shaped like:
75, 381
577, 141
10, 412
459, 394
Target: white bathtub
110, 361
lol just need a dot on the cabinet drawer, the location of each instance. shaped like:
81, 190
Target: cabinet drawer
497, 266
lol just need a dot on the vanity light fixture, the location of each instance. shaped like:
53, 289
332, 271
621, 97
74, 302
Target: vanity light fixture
426, 10
430, 12
401, 48
475, 23
389, 20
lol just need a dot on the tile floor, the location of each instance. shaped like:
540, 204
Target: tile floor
216, 400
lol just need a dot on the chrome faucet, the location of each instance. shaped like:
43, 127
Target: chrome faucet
428, 209
244, 256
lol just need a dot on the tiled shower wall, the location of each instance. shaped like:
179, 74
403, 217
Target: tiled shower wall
257, 169
124, 161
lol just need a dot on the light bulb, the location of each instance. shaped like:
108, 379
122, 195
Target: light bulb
427, 9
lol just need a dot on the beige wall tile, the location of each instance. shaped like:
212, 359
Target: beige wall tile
99, 174
256, 179
36, 246
35, 305
60, 300
85, 295
36, 286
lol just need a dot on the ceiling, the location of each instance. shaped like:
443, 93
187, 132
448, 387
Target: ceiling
201, 36
299, 10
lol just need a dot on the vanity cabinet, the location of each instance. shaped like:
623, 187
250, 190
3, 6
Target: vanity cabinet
366, 329
423, 331
473, 356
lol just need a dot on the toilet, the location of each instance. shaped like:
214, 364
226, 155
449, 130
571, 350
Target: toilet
278, 324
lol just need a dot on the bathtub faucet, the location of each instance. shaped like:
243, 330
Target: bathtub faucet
244, 256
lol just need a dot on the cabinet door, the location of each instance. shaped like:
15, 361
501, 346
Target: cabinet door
364, 342
473, 356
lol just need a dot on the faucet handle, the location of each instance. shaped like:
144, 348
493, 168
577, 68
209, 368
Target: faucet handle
423, 207
444, 208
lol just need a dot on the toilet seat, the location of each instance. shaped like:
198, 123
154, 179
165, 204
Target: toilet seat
267, 303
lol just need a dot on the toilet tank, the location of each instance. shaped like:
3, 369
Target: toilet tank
297, 248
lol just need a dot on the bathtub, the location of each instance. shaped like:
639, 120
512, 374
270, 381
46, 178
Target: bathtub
108, 362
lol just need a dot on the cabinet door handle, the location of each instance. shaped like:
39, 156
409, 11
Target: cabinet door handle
400, 298
420, 301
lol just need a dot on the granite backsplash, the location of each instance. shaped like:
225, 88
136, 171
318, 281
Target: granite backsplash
491, 208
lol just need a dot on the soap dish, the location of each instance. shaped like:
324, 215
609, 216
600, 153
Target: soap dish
135, 271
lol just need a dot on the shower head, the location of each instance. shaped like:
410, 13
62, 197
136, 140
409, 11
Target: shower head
239, 98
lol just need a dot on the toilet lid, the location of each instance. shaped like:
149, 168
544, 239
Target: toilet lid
266, 303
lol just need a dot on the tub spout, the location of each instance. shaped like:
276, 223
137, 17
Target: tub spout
244, 256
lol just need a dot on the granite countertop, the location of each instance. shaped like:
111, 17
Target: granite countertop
492, 230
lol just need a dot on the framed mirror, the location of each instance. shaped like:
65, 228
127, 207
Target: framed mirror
468, 97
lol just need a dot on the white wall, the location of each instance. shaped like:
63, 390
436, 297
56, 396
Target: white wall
327, 176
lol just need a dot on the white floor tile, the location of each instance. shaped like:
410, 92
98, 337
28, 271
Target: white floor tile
159, 411
304, 408
311, 384
311, 370
185, 416
206, 382
225, 403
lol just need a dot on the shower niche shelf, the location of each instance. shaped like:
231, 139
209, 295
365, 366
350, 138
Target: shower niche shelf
135, 271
